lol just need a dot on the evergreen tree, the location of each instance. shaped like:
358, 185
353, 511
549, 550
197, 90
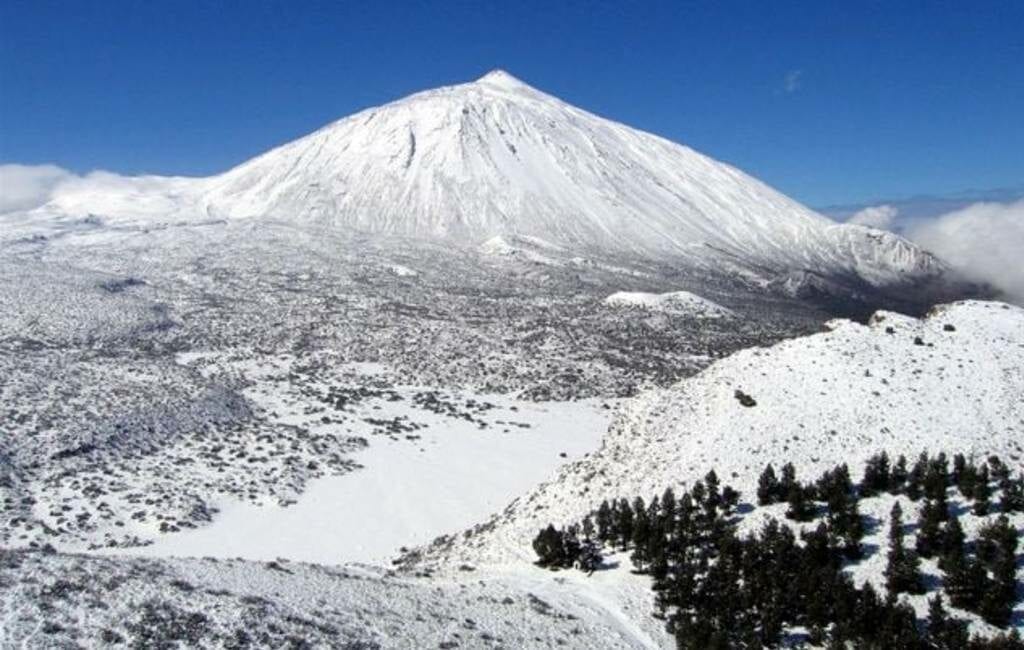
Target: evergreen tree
800, 509
998, 469
605, 523
730, 499
876, 475
1012, 497
787, 481
589, 557
936, 479
588, 527
624, 523
959, 465
997, 549
847, 527
668, 507
548, 546
982, 493
929, 530
945, 633
767, 486
898, 476
965, 582
952, 544
968, 479
902, 572
713, 495
641, 533
915, 480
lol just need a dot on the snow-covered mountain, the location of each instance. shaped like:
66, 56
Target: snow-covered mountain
496, 158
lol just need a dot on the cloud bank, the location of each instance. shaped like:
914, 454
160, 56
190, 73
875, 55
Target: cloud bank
985, 241
23, 187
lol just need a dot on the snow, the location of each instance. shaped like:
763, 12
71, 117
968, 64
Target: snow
493, 160
405, 494
830, 398
681, 302
403, 271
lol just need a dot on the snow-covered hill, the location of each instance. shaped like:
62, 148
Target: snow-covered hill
496, 158
682, 302
951, 381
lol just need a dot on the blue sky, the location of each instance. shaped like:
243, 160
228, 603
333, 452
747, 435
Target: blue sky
830, 102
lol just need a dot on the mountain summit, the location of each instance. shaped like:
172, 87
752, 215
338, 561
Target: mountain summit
498, 160
497, 157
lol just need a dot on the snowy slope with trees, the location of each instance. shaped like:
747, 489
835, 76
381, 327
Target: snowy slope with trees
470, 272
951, 381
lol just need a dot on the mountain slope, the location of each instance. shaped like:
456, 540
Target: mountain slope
950, 382
496, 158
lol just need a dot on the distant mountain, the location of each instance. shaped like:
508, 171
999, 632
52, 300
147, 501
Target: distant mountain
496, 160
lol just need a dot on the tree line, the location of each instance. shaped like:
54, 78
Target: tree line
717, 589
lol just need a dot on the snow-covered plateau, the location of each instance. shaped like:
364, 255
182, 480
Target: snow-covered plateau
329, 397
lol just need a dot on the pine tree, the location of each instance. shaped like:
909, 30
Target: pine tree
548, 546
898, 476
589, 557
624, 523
982, 493
1012, 497
641, 534
968, 478
936, 479
998, 469
997, 549
959, 465
605, 523
713, 498
902, 572
767, 487
847, 526
876, 475
929, 530
588, 527
668, 506
952, 544
944, 632
965, 581
799, 507
787, 481
915, 480
730, 498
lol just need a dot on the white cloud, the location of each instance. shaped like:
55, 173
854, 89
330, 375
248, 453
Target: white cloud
984, 240
792, 82
876, 216
23, 187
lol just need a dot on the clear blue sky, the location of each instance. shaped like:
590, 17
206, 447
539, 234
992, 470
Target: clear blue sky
883, 98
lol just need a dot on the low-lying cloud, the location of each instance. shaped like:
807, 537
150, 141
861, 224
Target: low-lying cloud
23, 187
984, 240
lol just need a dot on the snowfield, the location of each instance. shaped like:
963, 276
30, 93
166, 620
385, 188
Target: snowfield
406, 492
951, 381
676, 301
945, 382
399, 346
